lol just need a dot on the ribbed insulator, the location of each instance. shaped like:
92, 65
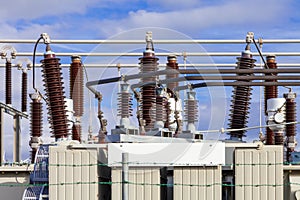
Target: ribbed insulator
8, 82
55, 93
168, 112
76, 132
291, 116
270, 92
148, 63
36, 118
172, 65
76, 85
190, 110
240, 101
161, 109
24, 92
124, 104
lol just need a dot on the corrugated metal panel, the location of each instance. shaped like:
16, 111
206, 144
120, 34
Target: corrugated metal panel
77, 179
259, 172
197, 182
141, 176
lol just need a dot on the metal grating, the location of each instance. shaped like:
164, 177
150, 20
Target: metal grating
40, 173
206, 181
76, 177
36, 193
145, 183
259, 172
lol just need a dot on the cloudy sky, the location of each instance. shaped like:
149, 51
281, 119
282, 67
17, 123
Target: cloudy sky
105, 19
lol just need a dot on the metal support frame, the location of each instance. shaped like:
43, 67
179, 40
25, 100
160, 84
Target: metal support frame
1, 135
125, 176
17, 115
17, 139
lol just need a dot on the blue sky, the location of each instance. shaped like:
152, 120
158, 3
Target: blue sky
94, 19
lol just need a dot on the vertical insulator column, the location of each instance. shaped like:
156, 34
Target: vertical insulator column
124, 104
76, 85
76, 132
24, 91
191, 110
270, 92
76, 93
161, 107
36, 123
172, 65
148, 63
290, 128
241, 99
55, 93
8, 82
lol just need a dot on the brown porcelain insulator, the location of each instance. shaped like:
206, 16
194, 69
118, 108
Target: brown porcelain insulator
8, 82
271, 92
24, 92
290, 129
279, 140
55, 93
191, 111
148, 63
76, 132
124, 104
191, 108
172, 65
168, 112
36, 118
36, 122
161, 109
76, 85
241, 100
290, 117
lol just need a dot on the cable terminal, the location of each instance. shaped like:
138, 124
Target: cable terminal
46, 38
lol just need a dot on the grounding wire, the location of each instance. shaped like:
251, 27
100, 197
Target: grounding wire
260, 54
222, 130
33, 62
90, 101
260, 93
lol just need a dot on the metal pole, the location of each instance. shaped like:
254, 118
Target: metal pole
1, 135
125, 176
160, 54
219, 65
17, 138
191, 41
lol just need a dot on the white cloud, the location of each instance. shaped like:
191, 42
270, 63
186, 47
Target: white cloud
171, 4
32, 9
240, 13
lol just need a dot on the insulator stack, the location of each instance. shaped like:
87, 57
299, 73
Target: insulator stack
172, 65
8, 87
161, 108
76, 132
36, 111
148, 63
290, 128
241, 99
24, 91
124, 101
55, 93
270, 92
191, 108
76, 85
